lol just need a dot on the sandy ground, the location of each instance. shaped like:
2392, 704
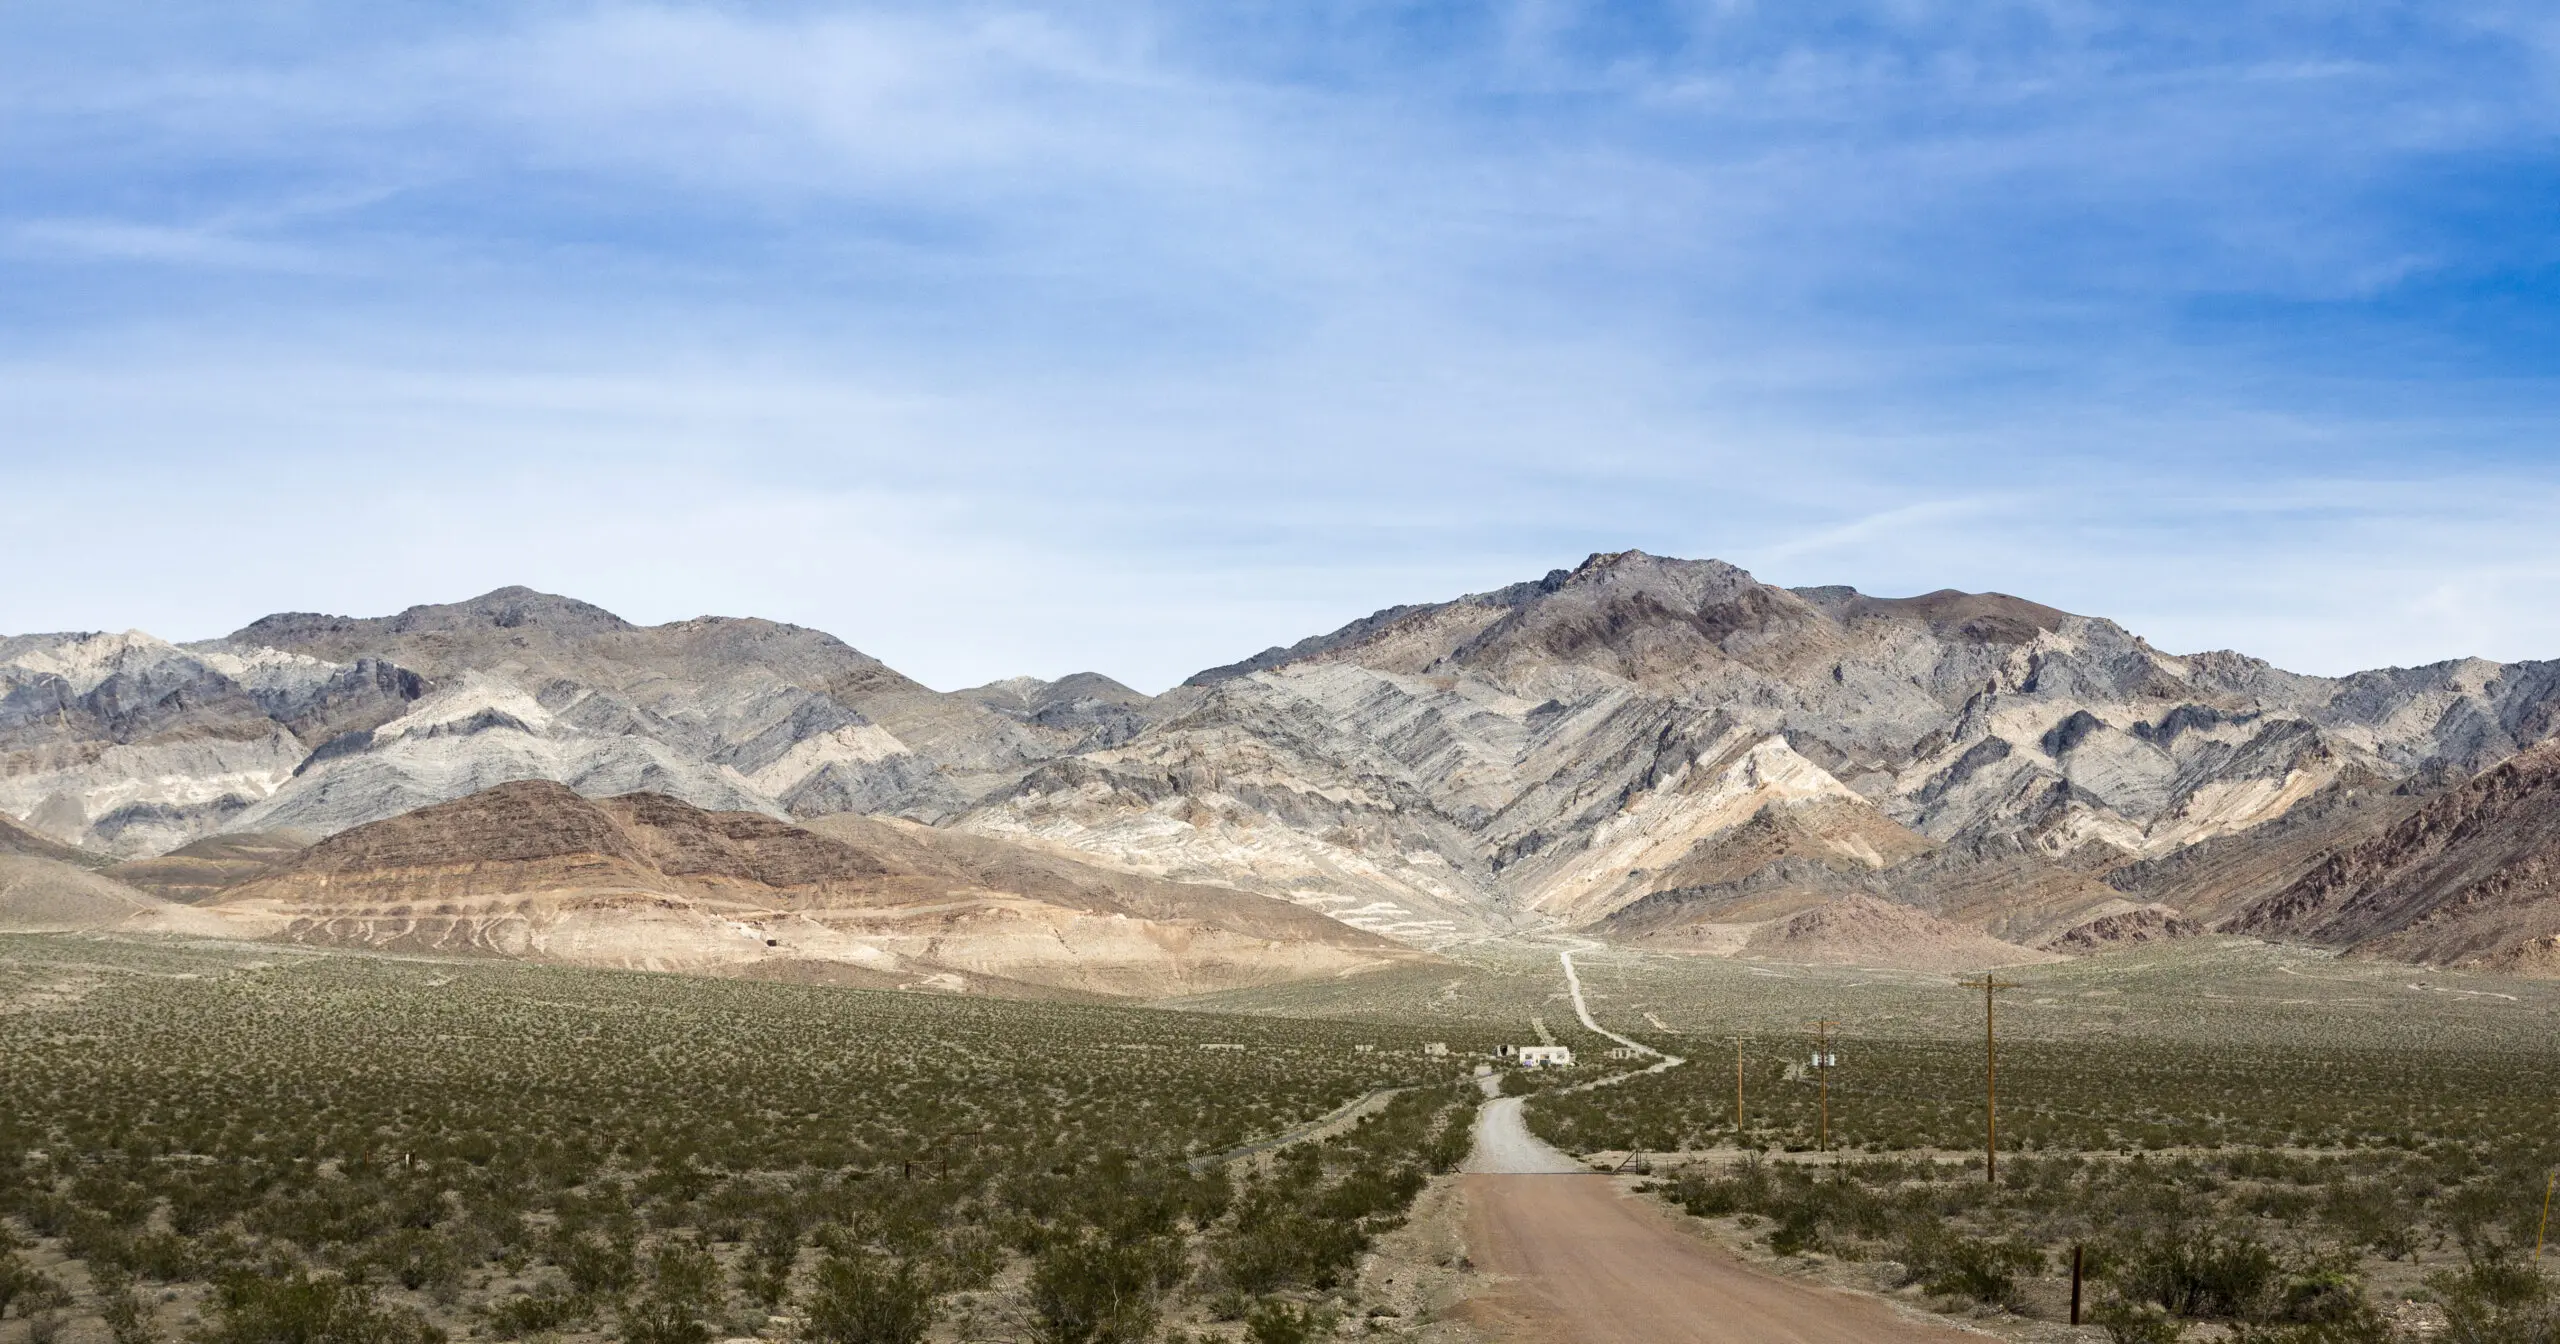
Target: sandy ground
1579, 1260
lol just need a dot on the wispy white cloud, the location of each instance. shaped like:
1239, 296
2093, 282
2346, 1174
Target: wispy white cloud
1137, 337
120, 240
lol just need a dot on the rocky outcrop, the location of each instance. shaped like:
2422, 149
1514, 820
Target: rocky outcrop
2124, 928
1075, 713
126, 745
2214, 877
2471, 878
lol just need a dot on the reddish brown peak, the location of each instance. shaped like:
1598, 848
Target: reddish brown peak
512, 823
682, 840
533, 821
1648, 618
1994, 618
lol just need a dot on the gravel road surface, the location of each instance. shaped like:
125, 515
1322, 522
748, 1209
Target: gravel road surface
1586, 1263
1505, 1146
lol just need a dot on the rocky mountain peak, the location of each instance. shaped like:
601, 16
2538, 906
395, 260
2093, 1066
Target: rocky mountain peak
1993, 618
510, 608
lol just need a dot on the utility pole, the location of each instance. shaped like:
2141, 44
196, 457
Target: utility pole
1990, 1078
2545, 1229
1736, 1091
1822, 1065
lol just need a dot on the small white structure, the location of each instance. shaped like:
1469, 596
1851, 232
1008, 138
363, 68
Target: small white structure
1435, 1049
1625, 1052
1544, 1056
1364, 1049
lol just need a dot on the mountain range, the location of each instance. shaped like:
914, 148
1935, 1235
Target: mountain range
1662, 751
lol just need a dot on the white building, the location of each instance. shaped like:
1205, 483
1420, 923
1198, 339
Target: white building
1435, 1049
1543, 1056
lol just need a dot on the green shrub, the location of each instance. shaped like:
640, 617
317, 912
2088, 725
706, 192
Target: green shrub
684, 1287
419, 1259
2221, 1273
2359, 1323
1095, 1291
29, 1288
537, 1313
773, 1248
1980, 1269
128, 1317
2327, 1291
596, 1265
1277, 1322
2136, 1322
855, 1301
2497, 1298
291, 1307
1798, 1228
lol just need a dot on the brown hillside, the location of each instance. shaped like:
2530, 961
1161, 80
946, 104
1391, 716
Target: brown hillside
1865, 931
193, 874
48, 895
2471, 878
2221, 875
533, 869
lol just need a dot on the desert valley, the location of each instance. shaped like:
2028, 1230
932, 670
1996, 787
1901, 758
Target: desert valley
1583, 960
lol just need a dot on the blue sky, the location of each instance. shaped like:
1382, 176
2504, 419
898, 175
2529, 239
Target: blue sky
1003, 339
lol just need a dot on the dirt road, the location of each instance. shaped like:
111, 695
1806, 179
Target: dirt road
1505, 1146
1585, 1263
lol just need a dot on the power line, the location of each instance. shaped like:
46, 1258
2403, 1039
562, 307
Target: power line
1822, 1063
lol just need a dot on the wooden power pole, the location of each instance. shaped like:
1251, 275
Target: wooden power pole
2545, 1229
1822, 1066
1737, 1091
1990, 1077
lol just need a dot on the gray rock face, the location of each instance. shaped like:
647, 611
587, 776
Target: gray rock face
130, 746
1559, 749
127, 745
1075, 712
1553, 751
